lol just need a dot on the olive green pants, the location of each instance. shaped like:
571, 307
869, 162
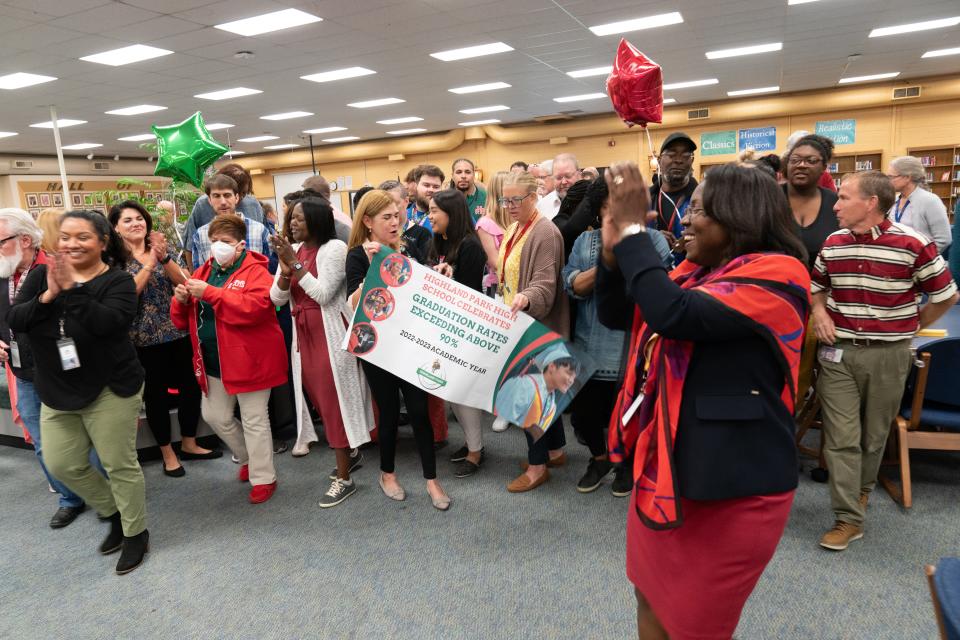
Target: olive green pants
859, 396
109, 425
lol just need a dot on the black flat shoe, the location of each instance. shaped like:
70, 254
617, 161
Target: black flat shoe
66, 515
114, 539
179, 472
212, 455
133, 551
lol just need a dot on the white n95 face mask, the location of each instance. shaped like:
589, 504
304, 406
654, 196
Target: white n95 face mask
223, 253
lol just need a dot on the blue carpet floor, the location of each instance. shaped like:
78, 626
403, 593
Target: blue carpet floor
548, 564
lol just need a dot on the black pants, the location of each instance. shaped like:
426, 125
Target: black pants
539, 452
170, 365
280, 408
592, 408
386, 389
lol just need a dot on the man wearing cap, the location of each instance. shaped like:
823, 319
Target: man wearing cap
670, 195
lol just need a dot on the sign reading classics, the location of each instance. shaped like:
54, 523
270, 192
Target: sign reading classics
462, 346
840, 131
718, 143
760, 139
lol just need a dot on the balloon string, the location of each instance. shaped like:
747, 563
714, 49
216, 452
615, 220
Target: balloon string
659, 175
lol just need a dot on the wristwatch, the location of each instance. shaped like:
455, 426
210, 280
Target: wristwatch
632, 230
165, 259
297, 266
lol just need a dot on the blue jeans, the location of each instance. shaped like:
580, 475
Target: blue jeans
28, 405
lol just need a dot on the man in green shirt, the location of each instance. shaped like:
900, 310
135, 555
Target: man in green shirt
464, 179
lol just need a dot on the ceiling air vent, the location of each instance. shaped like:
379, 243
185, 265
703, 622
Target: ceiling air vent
101, 166
906, 92
698, 114
21, 164
554, 117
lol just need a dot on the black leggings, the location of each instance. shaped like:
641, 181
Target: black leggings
386, 389
167, 365
591, 409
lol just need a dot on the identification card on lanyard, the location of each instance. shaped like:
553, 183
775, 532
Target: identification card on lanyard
69, 358
897, 211
14, 354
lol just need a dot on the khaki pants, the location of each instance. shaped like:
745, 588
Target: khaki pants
109, 425
252, 441
860, 396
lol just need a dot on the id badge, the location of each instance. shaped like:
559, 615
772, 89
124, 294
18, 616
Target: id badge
69, 359
831, 354
632, 409
14, 354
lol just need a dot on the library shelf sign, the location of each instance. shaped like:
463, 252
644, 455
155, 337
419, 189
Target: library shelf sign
718, 143
840, 131
758, 139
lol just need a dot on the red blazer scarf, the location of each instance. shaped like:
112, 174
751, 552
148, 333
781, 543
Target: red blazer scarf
770, 292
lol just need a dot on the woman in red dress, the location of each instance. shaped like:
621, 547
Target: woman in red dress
715, 463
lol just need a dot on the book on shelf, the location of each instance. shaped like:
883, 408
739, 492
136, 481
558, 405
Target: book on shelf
956, 159
928, 161
864, 165
833, 167
956, 176
929, 176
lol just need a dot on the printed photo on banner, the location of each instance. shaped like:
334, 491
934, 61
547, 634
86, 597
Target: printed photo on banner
463, 346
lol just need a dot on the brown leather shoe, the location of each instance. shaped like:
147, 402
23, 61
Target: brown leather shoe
864, 499
523, 483
840, 536
553, 463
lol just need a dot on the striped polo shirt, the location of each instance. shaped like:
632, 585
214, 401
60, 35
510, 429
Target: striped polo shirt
875, 280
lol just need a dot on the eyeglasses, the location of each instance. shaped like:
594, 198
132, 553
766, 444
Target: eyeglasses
893, 176
673, 155
7, 239
694, 212
810, 161
512, 202
568, 176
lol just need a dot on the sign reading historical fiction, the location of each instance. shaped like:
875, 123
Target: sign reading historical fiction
462, 346
759, 139
840, 131
718, 143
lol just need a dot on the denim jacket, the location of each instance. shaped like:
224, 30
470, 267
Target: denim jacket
605, 345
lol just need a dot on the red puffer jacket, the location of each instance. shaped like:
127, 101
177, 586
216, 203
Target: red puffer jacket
252, 351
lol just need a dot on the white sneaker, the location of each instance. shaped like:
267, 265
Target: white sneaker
499, 425
300, 449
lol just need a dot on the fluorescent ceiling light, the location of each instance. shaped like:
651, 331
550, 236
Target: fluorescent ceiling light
941, 52
915, 26
495, 107
403, 132
400, 120
218, 125
582, 96
82, 145
801, 1
692, 83
477, 88
21, 80
226, 94
669, 100
338, 74
586, 73
127, 55
750, 92
343, 139
289, 145
7, 134
274, 21
287, 116
135, 110
650, 22
61, 123
140, 137
325, 130
366, 104
744, 51
258, 139
876, 76
472, 52
477, 123
234, 152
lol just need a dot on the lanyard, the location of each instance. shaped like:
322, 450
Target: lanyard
415, 219
897, 211
678, 209
513, 240
15, 290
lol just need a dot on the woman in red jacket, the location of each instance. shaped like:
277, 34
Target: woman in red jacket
238, 350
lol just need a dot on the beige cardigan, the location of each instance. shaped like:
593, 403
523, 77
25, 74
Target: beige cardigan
541, 261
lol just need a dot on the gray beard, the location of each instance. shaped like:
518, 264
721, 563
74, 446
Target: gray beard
9, 264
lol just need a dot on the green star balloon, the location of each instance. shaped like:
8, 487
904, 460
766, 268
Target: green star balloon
185, 150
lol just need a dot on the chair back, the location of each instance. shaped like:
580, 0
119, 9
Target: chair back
944, 584
944, 369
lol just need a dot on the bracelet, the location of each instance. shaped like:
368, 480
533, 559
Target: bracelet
165, 259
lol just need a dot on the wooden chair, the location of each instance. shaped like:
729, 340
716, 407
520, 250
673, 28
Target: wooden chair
931, 420
943, 586
808, 417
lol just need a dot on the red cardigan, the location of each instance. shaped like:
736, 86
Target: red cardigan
252, 352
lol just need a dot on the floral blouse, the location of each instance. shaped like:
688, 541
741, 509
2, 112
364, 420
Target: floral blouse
152, 324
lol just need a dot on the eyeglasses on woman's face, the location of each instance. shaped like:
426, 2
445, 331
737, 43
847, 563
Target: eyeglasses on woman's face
810, 161
515, 201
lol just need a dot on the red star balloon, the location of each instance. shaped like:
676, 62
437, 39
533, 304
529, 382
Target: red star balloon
635, 86
185, 150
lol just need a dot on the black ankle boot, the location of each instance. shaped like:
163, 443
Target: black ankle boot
111, 544
134, 549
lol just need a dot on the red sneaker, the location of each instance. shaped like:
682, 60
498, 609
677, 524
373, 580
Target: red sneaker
244, 474
262, 492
